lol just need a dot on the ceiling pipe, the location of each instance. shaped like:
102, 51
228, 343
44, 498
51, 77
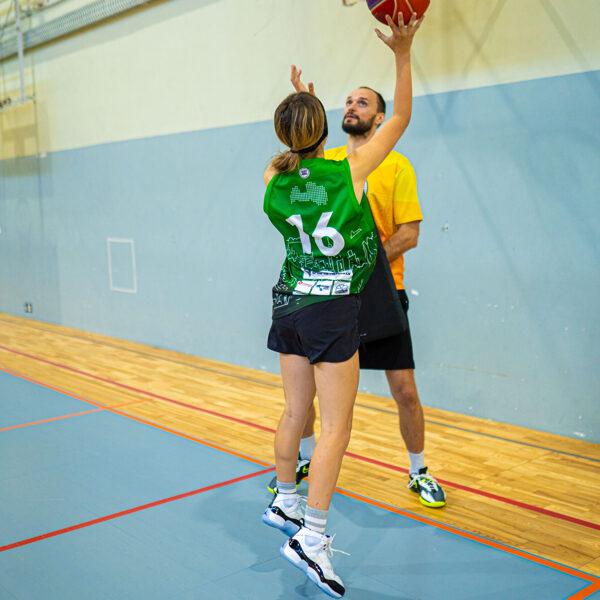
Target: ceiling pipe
90, 14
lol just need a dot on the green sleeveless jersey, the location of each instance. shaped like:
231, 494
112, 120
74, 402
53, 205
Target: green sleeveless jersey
330, 239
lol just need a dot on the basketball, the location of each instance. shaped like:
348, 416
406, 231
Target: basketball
380, 8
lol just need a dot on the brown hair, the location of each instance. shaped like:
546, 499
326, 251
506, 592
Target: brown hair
299, 123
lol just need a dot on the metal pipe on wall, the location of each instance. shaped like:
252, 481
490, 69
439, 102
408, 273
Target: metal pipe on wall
87, 15
20, 49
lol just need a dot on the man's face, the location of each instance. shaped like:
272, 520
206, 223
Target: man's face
360, 112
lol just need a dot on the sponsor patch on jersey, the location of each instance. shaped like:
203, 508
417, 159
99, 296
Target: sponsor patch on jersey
304, 287
345, 275
322, 288
304, 173
341, 288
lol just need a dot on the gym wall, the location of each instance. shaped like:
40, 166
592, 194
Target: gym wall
131, 191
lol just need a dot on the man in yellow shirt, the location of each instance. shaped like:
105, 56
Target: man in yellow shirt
392, 193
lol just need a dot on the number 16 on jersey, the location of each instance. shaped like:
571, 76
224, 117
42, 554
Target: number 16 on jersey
322, 231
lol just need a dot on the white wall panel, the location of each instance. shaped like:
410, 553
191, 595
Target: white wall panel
186, 65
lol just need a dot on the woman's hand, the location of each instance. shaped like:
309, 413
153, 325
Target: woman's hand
402, 35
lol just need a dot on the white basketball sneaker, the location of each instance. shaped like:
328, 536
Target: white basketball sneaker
310, 552
284, 515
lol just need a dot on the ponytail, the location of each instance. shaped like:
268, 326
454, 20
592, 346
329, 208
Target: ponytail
285, 162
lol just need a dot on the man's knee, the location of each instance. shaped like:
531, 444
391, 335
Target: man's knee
403, 388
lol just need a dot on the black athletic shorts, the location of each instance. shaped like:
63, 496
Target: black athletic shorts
323, 332
389, 353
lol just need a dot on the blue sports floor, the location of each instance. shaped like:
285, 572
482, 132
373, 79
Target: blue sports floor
101, 506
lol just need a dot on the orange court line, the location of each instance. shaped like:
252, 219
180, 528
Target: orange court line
31, 324
585, 593
77, 414
595, 581
140, 420
581, 595
471, 490
134, 389
262, 463
85, 412
61, 391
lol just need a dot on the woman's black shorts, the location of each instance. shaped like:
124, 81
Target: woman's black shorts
323, 332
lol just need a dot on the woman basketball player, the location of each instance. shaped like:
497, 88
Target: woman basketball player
317, 205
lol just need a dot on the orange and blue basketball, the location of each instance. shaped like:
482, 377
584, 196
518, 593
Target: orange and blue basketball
381, 8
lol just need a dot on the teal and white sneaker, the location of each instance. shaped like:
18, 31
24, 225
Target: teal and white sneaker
288, 519
301, 473
310, 552
430, 491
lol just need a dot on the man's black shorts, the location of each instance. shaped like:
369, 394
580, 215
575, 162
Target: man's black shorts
323, 332
389, 353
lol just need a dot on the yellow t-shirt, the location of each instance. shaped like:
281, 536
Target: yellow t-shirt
392, 194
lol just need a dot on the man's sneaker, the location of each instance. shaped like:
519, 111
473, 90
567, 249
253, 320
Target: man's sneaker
287, 519
430, 491
301, 473
313, 559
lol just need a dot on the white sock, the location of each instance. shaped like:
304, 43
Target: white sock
315, 520
417, 461
286, 492
307, 447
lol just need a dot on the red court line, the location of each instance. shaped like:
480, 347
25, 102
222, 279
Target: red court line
65, 392
483, 493
32, 325
133, 389
140, 420
581, 595
595, 581
465, 488
195, 439
130, 511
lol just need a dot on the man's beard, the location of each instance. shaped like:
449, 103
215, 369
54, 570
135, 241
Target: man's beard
357, 127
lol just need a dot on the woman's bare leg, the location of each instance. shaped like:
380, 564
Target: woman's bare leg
337, 384
299, 387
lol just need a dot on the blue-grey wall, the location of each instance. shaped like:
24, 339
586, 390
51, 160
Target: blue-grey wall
504, 286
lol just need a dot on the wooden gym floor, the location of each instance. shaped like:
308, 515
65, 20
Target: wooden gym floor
532, 491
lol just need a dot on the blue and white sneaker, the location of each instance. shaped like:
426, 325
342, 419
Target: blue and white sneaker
288, 519
430, 491
310, 552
